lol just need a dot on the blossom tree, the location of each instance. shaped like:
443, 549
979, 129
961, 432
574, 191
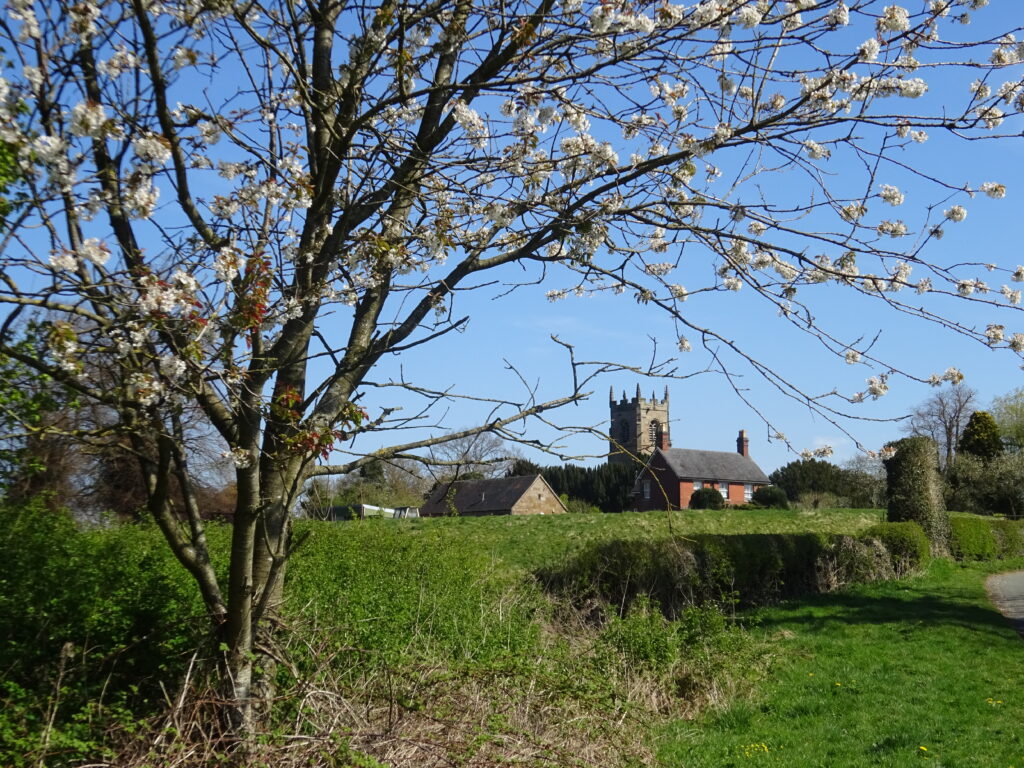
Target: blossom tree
243, 208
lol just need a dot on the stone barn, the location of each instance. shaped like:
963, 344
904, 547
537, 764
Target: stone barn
528, 495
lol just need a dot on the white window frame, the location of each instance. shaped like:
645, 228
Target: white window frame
698, 485
748, 491
723, 488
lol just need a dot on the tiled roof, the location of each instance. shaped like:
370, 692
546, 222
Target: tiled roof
480, 497
689, 464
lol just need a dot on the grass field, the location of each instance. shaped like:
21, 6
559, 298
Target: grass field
431, 642
529, 542
892, 674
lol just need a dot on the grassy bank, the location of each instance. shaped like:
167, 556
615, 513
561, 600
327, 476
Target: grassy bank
432, 642
889, 674
532, 542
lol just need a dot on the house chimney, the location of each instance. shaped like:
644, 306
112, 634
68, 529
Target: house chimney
743, 444
663, 441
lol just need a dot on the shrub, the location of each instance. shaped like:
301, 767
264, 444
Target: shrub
818, 500
906, 542
579, 506
972, 538
772, 497
847, 560
706, 498
1009, 535
914, 489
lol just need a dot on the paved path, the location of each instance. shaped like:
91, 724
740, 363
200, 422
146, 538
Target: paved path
1007, 592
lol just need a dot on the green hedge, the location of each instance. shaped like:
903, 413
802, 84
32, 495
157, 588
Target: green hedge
907, 544
677, 573
981, 538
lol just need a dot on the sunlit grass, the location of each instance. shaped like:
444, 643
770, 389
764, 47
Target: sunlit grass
893, 674
532, 541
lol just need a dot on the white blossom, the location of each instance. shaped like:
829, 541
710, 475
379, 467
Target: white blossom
894, 19
877, 386
993, 190
869, 49
891, 195
472, 124
63, 260
172, 366
992, 115
956, 214
94, 250
120, 62
852, 357
839, 16
892, 228
853, 212
815, 151
1016, 342
226, 264
150, 148
88, 119
994, 334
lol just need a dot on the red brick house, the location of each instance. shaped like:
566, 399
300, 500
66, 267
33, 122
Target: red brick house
528, 495
673, 474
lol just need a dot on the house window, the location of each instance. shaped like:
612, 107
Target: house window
647, 489
748, 491
723, 488
698, 485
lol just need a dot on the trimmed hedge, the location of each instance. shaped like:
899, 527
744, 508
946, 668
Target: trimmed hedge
907, 544
980, 538
745, 570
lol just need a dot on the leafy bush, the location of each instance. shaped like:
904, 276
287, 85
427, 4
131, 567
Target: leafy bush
906, 542
109, 613
772, 497
579, 506
707, 498
972, 538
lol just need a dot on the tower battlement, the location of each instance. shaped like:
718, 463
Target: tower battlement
637, 426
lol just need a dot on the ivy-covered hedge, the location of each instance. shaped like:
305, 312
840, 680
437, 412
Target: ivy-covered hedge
980, 538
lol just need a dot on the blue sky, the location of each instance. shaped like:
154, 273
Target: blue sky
706, 412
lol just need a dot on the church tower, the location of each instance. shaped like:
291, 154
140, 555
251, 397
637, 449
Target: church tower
638, 426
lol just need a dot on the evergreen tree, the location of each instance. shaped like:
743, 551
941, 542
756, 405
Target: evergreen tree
981, 437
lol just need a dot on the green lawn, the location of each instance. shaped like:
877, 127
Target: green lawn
923, 670
531, 541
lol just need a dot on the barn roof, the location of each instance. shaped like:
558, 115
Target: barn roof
691, 464
481, 497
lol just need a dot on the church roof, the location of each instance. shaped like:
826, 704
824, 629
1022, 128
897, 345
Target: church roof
689, 464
